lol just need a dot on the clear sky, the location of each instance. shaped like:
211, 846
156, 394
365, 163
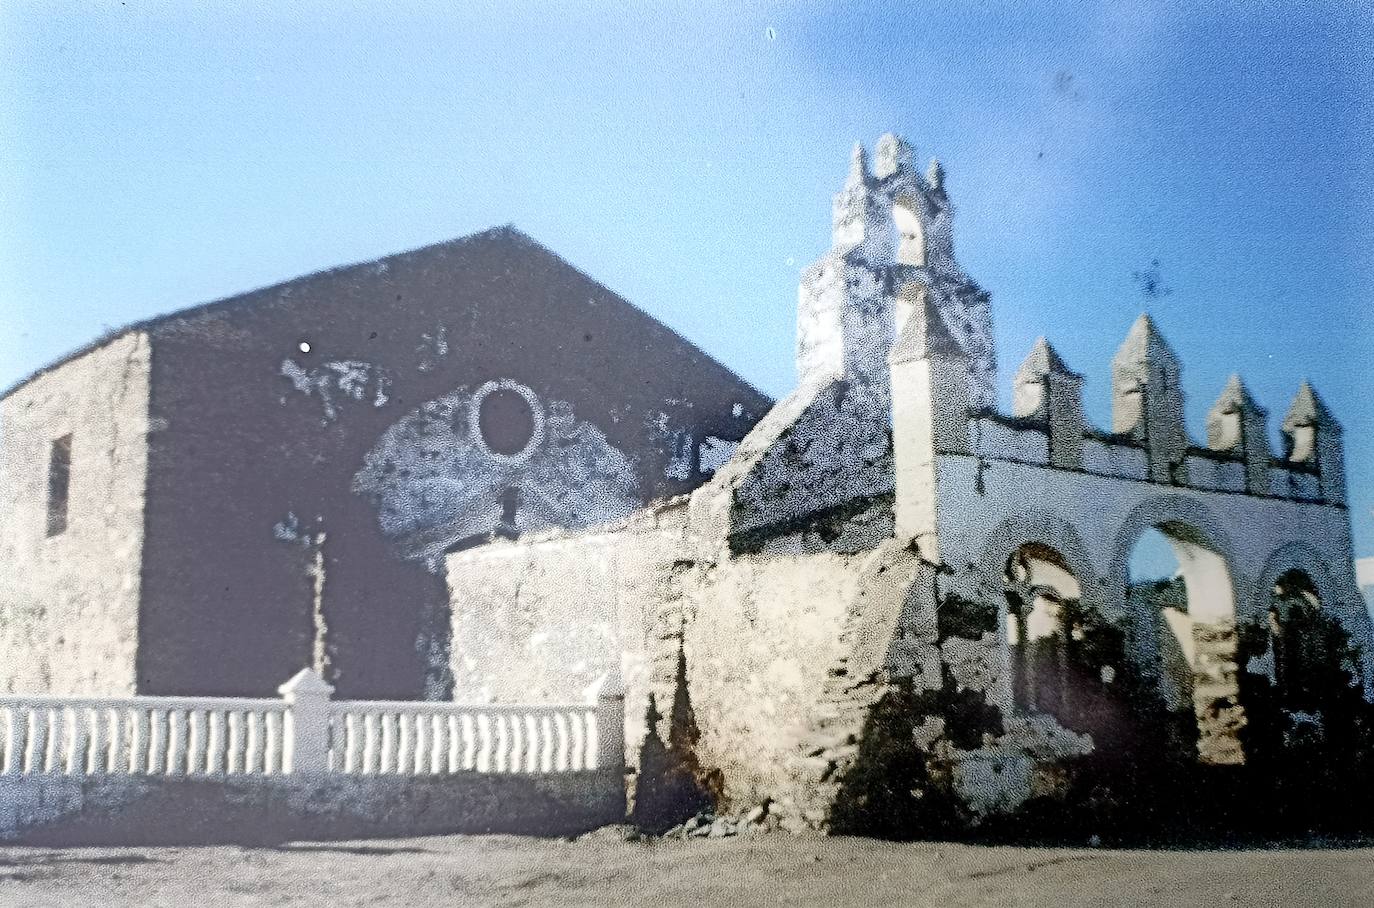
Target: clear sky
157, 155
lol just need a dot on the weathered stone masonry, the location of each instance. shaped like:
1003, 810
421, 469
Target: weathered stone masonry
894, 605
70, 600
270, 481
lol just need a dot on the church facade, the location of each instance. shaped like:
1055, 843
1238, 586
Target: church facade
205, 503
897, 608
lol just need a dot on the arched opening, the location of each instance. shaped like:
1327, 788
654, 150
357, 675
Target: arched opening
1065, 658
1306, 643
1041, 595
911, 237
1179, 586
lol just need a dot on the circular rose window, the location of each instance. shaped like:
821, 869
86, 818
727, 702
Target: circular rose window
507, 419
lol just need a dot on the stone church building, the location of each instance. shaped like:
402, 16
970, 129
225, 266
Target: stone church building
205, 502
894, 597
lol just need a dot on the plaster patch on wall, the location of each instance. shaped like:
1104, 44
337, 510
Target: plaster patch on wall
432, 347
714, 453
338, 379
435, 482
680, 444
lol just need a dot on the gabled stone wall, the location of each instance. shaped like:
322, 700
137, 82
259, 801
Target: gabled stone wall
69, 602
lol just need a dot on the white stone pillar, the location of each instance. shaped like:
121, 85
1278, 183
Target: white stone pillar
306, 750
608, 696
930, 412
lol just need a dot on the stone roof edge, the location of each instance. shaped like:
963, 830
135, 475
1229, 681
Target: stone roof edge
509, 231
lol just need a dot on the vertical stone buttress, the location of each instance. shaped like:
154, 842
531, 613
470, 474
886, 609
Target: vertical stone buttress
930, 406
891, 231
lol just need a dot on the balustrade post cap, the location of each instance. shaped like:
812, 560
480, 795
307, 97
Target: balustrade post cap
306, 683
606, 687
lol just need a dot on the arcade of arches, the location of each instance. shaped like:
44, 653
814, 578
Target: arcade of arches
1176, 645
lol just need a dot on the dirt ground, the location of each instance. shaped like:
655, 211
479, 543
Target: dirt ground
601, 869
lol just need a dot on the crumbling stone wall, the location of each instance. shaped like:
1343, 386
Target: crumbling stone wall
69, 602
550, 617
545, 619
832, 613
762, 636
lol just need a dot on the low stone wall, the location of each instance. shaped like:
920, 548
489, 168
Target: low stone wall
142, 810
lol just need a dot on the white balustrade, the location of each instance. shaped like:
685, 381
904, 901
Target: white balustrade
421, 739
305, 732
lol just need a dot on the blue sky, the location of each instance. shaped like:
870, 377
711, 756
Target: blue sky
164, 154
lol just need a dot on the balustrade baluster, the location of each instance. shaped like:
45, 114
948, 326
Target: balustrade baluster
14, 741
77, 720
510, 732
115, 761
372, 749
455, 742
140, 735
56, 739
195, 742
214, 743
96, 758
469, 724
424, 728
235, 757
522, 726
578, 750
546, 752
252, 758
502, 745
405, 743
272, 743
560, 722
484, 742
35, 753
176, 742
594, 758
157, 741
438, 751
388, 743
353, 743
593, 739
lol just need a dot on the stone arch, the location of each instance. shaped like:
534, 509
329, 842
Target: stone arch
1206, 634
1045, 528
910, 230
985, 582
1193, 529
1301, 645
1297, 556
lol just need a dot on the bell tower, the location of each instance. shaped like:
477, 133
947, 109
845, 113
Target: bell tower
890, 236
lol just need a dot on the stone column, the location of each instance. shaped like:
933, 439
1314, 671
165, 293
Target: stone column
1216, 693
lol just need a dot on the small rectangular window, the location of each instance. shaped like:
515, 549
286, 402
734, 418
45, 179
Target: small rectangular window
59, 481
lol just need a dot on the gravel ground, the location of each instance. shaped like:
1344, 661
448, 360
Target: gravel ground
602, 869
